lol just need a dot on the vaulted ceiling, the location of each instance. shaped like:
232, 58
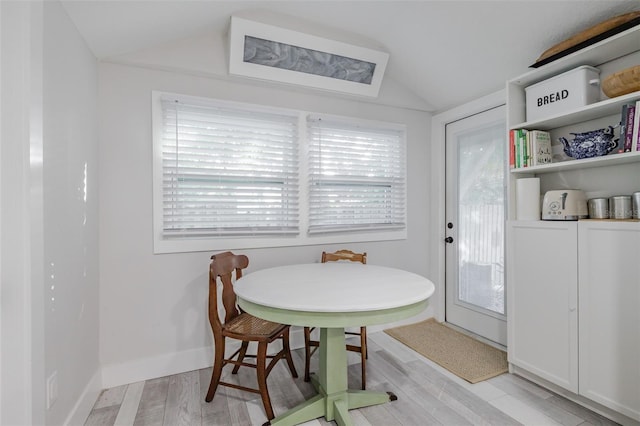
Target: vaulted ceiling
444, 52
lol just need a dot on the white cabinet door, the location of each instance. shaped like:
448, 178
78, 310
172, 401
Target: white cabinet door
542, 280
609, 306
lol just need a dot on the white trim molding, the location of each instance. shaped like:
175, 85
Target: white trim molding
83, 406
438, 131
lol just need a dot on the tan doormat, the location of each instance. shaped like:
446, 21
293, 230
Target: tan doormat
464, 356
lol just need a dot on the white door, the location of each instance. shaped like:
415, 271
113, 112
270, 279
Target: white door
475, 224
608, 315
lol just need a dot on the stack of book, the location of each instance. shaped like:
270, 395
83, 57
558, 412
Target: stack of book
529, 148
630, 127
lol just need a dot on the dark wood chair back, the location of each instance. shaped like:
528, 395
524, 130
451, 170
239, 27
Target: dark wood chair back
223, 266
344, 255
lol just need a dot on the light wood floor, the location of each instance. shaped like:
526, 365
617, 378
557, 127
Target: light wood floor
427, 395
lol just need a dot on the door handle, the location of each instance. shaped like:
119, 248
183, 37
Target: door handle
448, 240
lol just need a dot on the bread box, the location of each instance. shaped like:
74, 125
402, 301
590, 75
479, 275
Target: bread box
562, 93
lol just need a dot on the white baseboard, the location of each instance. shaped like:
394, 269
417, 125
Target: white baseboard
193, 359
157, 366
578, 399
173, 363
85, 403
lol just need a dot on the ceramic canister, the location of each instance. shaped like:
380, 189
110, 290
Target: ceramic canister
620, 207
635, 198
598, 208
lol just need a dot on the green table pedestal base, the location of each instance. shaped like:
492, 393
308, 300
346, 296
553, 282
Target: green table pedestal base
334, 399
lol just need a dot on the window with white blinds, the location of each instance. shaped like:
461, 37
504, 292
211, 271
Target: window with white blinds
227, 171
356, 176
230, 175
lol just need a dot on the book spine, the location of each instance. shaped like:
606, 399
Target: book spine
512, 148
623, 125
635, 136
628, 134
533, 144
523, 142
540, 146
529, 150
517, 148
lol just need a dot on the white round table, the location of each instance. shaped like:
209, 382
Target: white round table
333, 296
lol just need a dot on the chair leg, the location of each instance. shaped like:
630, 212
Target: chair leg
363, 342
307, 352
287, 353
364, 355
241, 354
218, 363
262, 379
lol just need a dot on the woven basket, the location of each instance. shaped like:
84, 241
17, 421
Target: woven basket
622, 82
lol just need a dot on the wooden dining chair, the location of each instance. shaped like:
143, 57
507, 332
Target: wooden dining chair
310, 346
244, 327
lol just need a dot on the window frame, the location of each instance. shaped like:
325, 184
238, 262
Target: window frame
194, 244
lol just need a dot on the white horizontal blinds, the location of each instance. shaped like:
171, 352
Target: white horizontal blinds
228, 171
356, 177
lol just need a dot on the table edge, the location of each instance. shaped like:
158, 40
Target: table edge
333, 319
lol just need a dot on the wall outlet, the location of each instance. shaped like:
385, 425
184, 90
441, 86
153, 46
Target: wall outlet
52, 389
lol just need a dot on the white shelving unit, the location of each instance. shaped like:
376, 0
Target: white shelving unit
603, 52
553, 327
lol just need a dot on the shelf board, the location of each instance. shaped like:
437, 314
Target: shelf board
609, 220
588, 112
607, 160
598, 53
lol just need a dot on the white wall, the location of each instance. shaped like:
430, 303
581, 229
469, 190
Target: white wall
70, 213
49, 233
153, 307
